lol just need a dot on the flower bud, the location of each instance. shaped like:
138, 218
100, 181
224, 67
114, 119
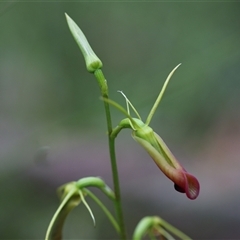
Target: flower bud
92, 61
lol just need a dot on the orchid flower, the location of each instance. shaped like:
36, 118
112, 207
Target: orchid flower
71, 195
143, 134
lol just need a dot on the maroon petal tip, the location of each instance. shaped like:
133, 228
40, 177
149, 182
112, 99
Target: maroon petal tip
192, 186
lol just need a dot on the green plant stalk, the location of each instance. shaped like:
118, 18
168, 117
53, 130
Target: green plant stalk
111, 141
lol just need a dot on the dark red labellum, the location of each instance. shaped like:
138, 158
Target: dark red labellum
179, 189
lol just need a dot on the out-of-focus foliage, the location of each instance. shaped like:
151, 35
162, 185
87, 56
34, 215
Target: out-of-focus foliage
52, 126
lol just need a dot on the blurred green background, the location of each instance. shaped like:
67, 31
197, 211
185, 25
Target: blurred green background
52, 124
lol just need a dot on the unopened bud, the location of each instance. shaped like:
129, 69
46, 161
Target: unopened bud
92, 61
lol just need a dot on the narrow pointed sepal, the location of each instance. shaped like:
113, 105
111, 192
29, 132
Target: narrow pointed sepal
69, 200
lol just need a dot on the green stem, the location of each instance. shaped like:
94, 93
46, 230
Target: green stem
111, 141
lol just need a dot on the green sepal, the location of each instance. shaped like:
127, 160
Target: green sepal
69, 201
57, 228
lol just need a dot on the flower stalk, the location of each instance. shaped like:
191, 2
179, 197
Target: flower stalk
73, 193
94, 65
